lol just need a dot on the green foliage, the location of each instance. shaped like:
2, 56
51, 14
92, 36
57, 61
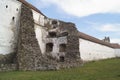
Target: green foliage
98, 70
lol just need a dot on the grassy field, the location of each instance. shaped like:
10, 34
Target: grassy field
99, 70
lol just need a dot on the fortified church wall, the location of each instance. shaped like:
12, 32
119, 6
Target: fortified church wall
39, 43
31, 41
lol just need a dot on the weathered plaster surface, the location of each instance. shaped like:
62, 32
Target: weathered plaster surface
9, 24
117, 52
31, 41
40, 35
90, 51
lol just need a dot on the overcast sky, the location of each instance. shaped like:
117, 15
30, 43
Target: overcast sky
98, 18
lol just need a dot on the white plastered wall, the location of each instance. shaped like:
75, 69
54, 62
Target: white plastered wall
39, 30
9, 23
117, 52
38, 18
40, 35
90, 51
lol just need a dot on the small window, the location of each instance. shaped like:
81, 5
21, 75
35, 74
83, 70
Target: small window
62, 58
52, 34
6, 6
49, 47
62, 48
13, 18
17, 9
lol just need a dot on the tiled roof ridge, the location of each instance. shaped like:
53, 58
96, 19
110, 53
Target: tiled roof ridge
93, 39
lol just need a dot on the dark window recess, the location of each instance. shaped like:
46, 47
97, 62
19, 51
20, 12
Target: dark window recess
52, 34
62, 58
54, 22
49, 47
6, 6
62, 48
13, 18
64, 34
17, 9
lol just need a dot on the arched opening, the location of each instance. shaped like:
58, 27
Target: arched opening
62, 48
49, 47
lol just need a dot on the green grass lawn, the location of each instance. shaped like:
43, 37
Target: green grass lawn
99, 70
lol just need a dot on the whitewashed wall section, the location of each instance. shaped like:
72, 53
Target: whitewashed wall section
38, 18
117, 52
56, 45
9, 23
90, 51
41, 35
39, 30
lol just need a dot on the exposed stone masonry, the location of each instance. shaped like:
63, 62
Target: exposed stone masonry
8, 67
48, 44
8, 62
29, 56
28, 48
66, 29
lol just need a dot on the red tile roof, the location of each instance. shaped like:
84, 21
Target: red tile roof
93, 39
116, 45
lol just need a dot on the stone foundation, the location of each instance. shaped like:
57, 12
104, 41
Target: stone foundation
8, 67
